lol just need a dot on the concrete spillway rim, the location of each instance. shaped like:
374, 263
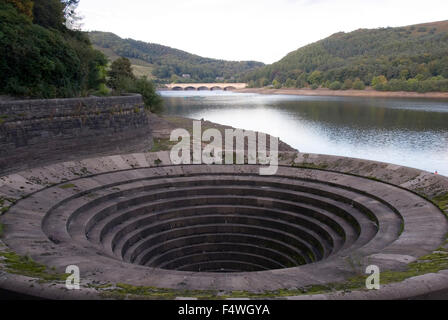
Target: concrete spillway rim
441, 276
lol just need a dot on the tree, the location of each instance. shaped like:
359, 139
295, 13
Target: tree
290, 83
276, 84
49, 14
379, 81
153, 102
72, 20
23, 6
70, 7
315, 77
174, 78
348, 84
327, 84
359, 85
302, 80
39, 62
420, 77
122, 80
120, 74
404, 74
262, 82
336, 85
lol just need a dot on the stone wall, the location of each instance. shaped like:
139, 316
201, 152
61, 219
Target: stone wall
37, 132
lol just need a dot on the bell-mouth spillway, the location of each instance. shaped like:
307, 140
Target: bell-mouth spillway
225, 227
223, 222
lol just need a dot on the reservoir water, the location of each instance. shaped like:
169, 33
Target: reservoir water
410, 132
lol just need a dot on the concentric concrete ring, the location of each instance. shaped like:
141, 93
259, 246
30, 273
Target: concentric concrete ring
217, 227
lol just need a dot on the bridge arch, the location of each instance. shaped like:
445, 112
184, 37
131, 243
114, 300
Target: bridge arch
203, 88
206, 86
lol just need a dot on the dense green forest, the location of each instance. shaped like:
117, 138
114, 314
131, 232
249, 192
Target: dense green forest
40, 56
412, 58
166, 64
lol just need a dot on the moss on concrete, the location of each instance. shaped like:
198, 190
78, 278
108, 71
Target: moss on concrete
26, 266
127, 291
374, 179
441, 201
5, 204
431, 263
162, 145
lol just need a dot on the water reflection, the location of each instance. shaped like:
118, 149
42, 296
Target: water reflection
403, 131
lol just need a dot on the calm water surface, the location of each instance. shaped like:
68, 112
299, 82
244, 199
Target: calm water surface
410, 132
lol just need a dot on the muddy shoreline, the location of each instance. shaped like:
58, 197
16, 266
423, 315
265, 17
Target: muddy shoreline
368, 93
163, 125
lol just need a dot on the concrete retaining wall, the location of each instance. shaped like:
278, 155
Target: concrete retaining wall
37, 132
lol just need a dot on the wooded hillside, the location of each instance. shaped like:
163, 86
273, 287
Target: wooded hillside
412, 58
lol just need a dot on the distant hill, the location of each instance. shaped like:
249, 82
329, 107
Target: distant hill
412, 58
166, 64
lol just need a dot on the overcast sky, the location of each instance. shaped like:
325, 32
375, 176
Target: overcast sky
262, 30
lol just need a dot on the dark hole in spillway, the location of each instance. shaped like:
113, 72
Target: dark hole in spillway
227, 223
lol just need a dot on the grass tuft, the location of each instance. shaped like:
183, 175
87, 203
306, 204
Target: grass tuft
26, 266
441, 201
162, 145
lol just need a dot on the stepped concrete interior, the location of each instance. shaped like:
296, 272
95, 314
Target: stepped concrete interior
139, 220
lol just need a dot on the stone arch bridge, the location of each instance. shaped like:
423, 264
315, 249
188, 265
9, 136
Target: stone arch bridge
206, 86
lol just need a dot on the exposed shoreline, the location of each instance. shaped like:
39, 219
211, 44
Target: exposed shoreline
162, 126
369, 93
